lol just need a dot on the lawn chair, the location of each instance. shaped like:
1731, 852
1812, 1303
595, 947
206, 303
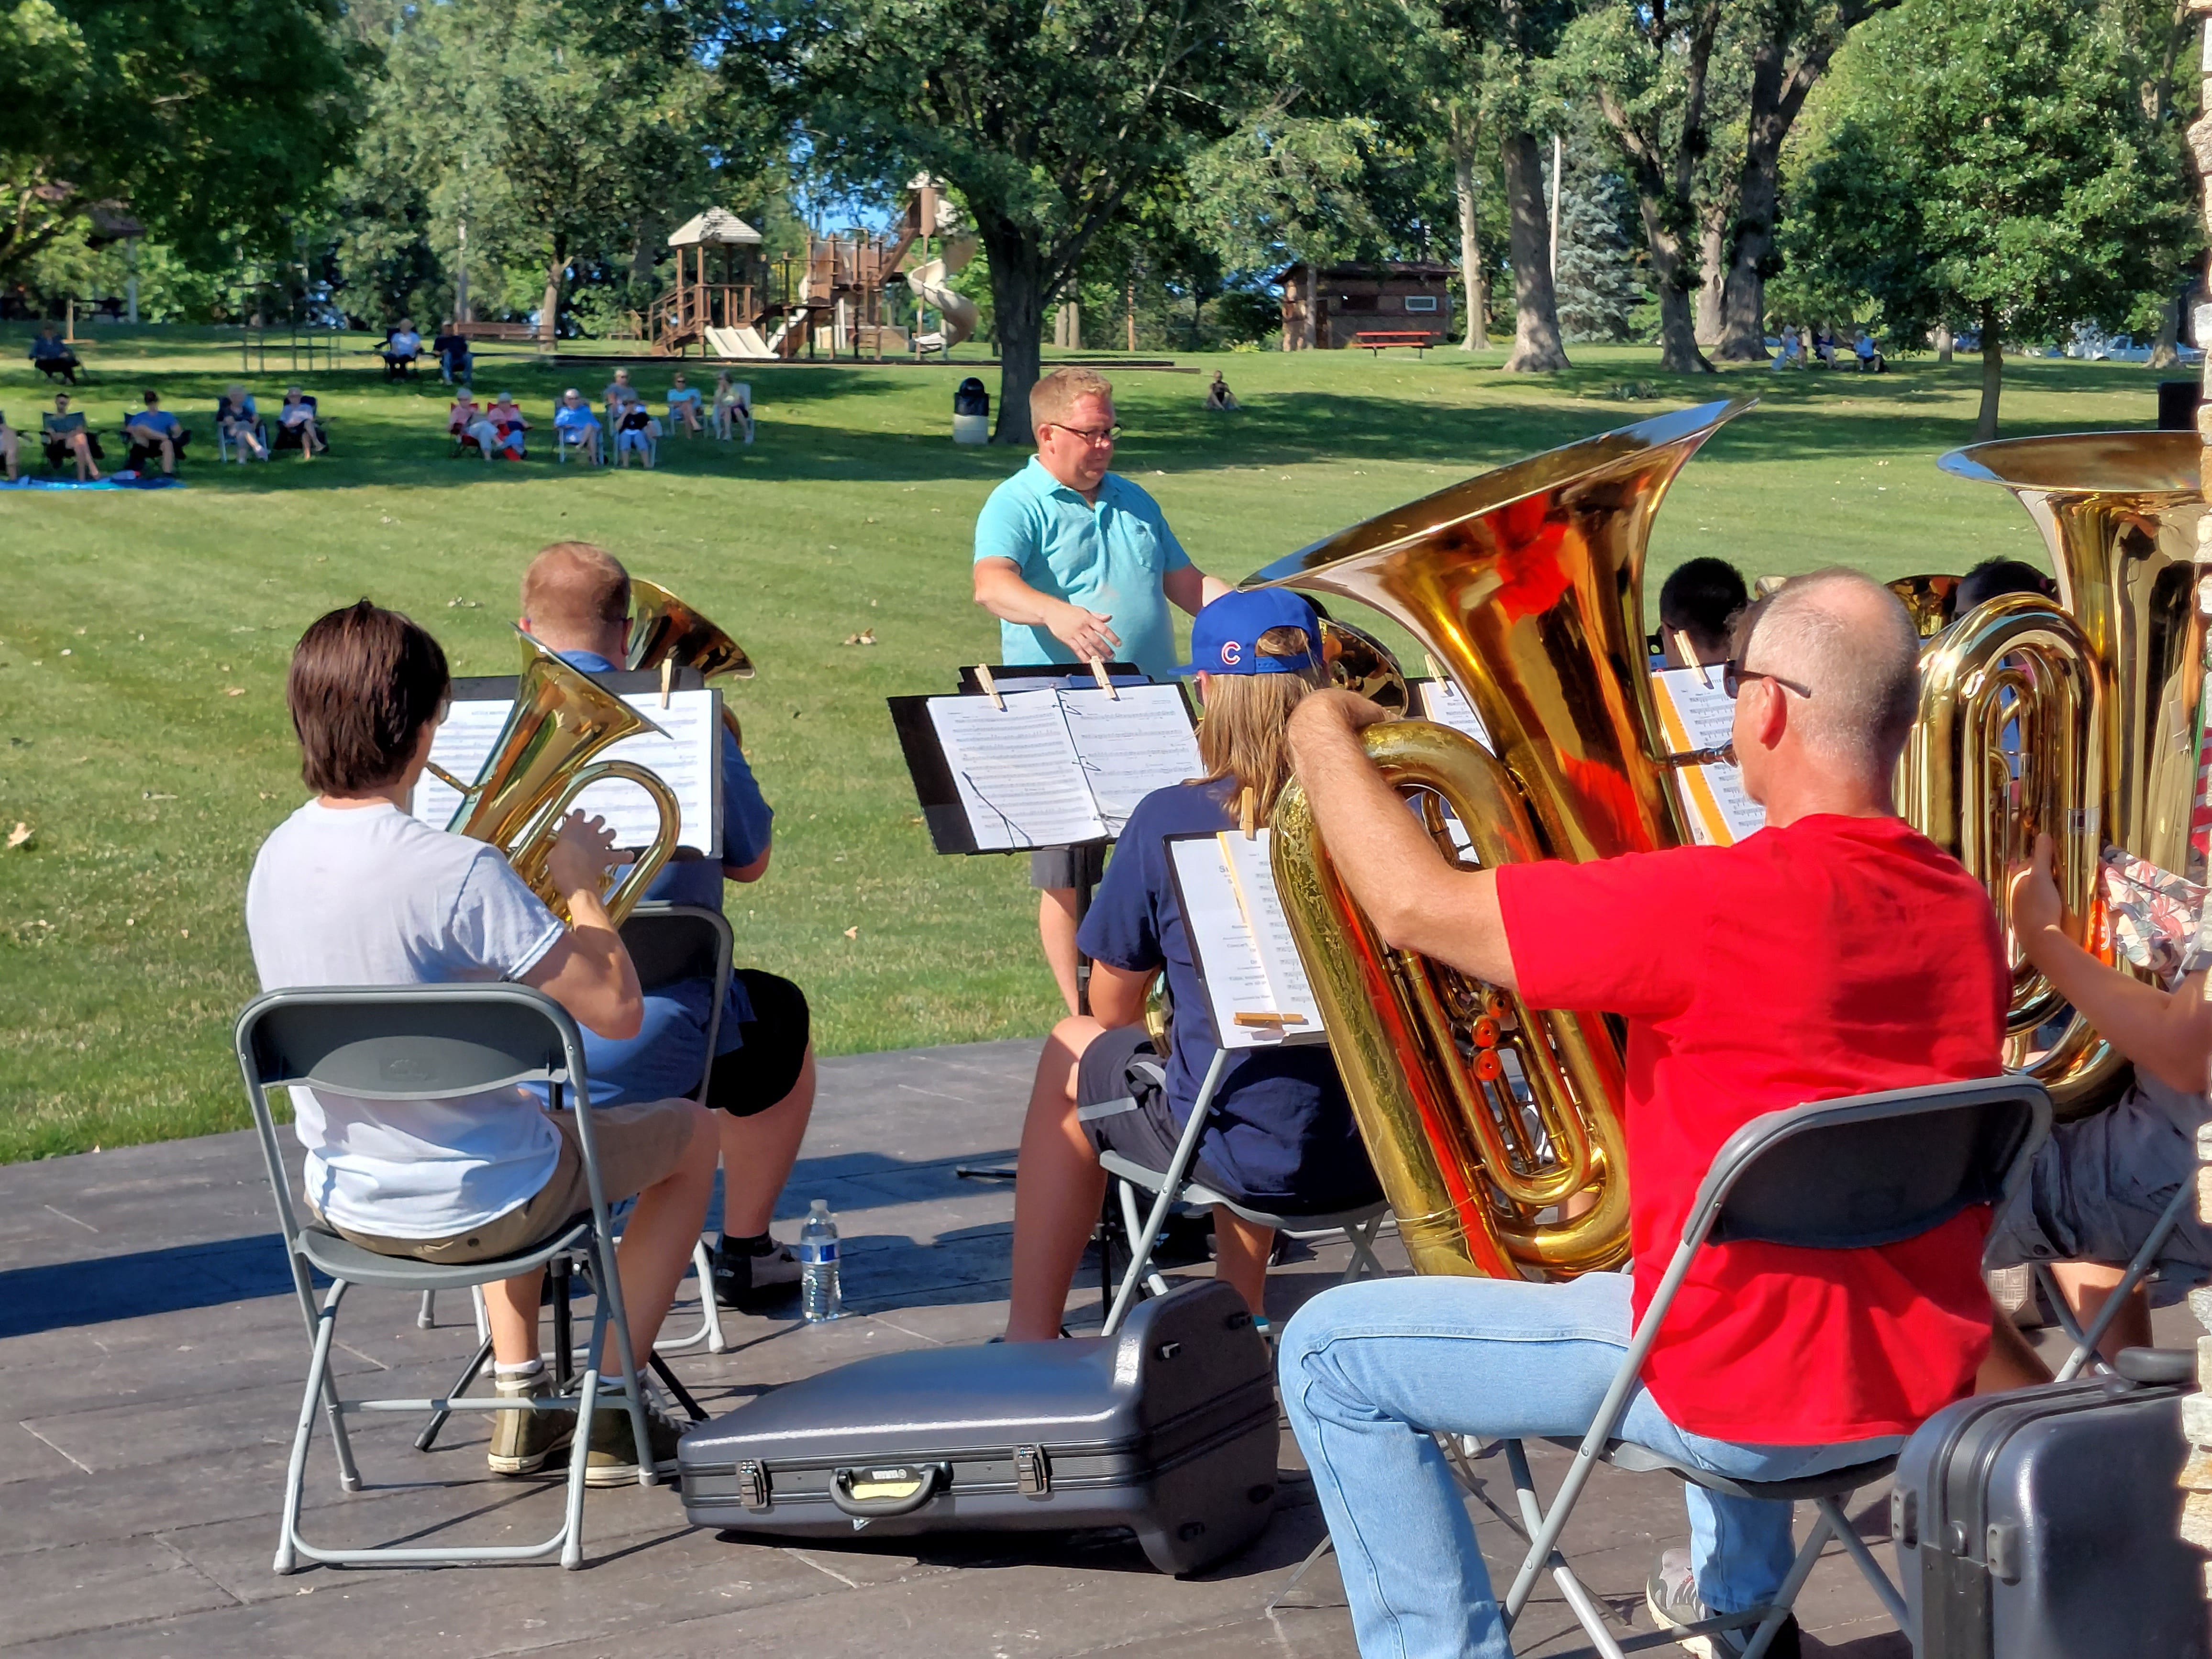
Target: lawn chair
292, 437
227, 445
141, 455
1836, 1174
1174, 1185
53, 443
415, 1042
566, 438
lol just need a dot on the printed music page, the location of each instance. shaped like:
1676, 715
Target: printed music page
1443, 702
1222, 943
1694, 714
1016, 770
1253, 873
1132, 746
688, 760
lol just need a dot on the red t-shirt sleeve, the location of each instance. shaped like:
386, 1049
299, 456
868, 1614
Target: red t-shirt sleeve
1622, 935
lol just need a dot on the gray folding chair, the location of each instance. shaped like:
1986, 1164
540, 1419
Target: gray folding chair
413, 1042
2139, 1269
1838, 1175
1175, 1185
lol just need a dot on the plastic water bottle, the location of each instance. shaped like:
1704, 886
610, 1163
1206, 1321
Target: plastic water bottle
819, 1297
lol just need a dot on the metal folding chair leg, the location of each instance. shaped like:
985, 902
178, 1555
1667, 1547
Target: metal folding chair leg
1579, 1601
1361, 1235
710, 1316
1839, 1523
1134, 1227
1313, 1556
2084, 1342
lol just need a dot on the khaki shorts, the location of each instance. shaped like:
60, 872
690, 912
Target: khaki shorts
638, 1145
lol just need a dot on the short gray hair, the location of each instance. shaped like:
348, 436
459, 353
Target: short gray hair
1851, 641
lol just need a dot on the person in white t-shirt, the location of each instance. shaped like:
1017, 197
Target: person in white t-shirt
352, 891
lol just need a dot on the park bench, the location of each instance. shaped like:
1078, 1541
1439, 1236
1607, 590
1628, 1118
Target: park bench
513, 333
1379, 340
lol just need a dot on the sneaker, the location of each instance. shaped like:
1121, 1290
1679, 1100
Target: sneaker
523, 1442
612, 1459
746, 1281
1671, 1593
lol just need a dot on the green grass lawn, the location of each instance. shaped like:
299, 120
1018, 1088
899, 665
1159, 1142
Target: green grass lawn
143, 637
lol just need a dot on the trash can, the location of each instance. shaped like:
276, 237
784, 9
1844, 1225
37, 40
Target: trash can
2177, 404
971, 413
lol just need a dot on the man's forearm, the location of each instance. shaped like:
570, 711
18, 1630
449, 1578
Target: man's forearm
1008, 598
2167, 1034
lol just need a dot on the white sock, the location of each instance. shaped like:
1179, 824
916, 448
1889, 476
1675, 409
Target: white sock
522, 1373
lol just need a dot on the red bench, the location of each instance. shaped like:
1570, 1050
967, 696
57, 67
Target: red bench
1379, 340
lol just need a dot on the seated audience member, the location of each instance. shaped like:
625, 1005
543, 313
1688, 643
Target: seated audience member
401, 348
575, 598
1789, 357
239, 421
297, 423
617, 392
1836, 952
51, 355
154, 431
2100, 1184
10, 446
352, 891
1282, 1138
1824, 348
575, 424
1994, 576
467, 422
1869, 354
1698, 604
733, 408
66, 437
455, 358
683, 402
508, 419
1218, 394
634, 431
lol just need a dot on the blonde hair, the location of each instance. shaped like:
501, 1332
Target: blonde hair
1054, 396
1245, 735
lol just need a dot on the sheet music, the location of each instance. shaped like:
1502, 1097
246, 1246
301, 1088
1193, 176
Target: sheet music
688, 760
1131, 746
1443, 703
1016, 768
1252, 870
1696, 715
1222, 943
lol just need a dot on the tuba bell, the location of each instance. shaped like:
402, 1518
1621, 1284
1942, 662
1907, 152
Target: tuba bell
663, 630
1496, 1130
2104, 687
542, 760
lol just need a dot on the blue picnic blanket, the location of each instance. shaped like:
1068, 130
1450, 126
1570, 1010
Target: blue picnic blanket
112, 481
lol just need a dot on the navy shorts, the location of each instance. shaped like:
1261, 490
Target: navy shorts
1121, 1104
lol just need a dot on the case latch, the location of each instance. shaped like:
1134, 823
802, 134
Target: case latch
1032, 1472
752, 1484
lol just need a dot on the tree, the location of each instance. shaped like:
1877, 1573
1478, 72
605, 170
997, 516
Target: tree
215, 122
1993, 160
1599, 285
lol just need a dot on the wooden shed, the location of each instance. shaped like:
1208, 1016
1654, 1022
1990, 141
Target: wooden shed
1325, 306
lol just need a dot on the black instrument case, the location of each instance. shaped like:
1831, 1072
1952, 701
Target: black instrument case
2043, 1524
1167, 1428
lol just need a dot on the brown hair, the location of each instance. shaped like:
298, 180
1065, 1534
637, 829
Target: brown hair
574, 588
364, 682
1051, 397
1246, 732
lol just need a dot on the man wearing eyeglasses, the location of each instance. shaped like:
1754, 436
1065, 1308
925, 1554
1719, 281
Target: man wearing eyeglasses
1836, 952
1078, 565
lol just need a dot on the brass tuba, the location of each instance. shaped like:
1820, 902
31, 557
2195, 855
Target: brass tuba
542, 760
1527, 585
664, 630
2105, 687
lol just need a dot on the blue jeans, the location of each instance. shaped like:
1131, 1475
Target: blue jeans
1369, 1371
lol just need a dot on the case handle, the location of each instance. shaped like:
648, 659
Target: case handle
872, 1491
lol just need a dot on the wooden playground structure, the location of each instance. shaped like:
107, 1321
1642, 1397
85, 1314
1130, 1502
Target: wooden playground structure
732, 302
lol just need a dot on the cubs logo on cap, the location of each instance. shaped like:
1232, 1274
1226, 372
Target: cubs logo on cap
1224, 637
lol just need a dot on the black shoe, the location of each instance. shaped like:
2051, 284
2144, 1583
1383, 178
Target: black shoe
746, 1281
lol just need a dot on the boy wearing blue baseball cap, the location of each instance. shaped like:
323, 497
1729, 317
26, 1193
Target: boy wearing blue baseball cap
1281, 1137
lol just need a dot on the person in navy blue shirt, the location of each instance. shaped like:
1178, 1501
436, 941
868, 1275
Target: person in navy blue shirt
1281, 1136
575, 598
153, 429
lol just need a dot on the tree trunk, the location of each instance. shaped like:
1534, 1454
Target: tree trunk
1018, 308
549, 319
1740, 269
1470, 247
1712, 322
1536, 347
1985, 423
2166, 351
1678, 334
1944, 347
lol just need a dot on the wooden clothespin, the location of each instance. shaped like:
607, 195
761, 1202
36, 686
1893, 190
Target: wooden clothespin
1248, 812
990, 686
1689, 655
667, 678
1436, 669
1105, 684
1269, 1019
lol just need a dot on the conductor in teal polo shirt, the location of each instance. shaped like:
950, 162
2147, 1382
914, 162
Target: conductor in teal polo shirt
1078, 565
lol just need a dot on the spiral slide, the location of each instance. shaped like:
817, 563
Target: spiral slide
928, 283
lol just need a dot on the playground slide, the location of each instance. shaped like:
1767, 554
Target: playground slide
927, 282
737, 343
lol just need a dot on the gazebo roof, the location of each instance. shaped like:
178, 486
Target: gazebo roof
715, 227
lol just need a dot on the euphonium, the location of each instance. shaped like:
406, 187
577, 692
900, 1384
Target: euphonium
664, 630
542, 760
2107, 684
1527, 585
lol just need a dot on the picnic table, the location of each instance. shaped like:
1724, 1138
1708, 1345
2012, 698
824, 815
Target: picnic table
1379, 340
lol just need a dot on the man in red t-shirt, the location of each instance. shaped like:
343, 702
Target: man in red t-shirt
1835, 953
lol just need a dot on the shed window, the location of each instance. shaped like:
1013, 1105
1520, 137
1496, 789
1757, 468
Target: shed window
1420, 303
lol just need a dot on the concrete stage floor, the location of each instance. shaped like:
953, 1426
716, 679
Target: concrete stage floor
151, 1357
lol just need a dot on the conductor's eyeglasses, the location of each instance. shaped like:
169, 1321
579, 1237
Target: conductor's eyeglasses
1093, 435
1733, 674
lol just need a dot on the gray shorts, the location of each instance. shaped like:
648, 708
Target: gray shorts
1081, 866
2100, 1184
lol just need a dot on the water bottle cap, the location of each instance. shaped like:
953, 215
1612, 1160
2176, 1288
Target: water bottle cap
820, 1207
